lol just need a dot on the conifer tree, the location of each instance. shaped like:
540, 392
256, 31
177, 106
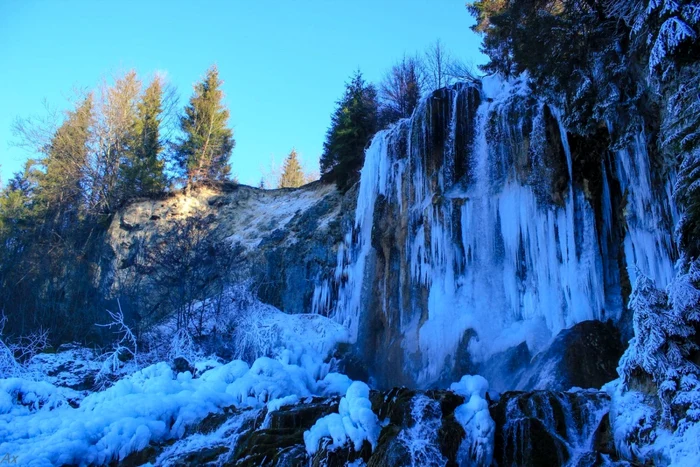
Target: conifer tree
61, 187
203, 152
142, 167
292, 174
353, 124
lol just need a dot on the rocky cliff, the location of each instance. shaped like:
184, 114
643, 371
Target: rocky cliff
480, 230
313, 327
279, 242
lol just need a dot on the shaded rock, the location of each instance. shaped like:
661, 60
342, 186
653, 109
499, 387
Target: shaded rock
502, 369
282, 442
389, 450
547, 428
182, 365
340, 457
585, 355
302, 416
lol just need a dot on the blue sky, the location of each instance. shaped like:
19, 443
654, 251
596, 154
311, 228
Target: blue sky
284, 63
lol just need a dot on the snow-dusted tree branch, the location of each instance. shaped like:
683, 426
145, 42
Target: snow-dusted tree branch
124, 346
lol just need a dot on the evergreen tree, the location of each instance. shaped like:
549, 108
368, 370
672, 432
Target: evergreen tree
142, 167
292, 174
61, 189
353, 124
663, 344
204, 151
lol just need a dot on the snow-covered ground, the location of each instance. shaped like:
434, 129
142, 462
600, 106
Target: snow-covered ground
43, 422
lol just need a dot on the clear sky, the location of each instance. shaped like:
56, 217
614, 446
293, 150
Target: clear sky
283, 62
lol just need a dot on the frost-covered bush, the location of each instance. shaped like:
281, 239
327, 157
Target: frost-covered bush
9, 366
664, 328
245, 328
14, 355
183, 345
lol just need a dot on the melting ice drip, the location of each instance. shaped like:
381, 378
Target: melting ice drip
484, 248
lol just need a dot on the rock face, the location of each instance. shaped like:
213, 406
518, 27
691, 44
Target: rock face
480, 232
419, 428
482, 224
550, 428
278, 241
585, 356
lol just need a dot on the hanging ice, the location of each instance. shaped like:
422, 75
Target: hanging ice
484, 238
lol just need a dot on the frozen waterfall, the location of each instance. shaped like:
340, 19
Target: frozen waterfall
496, 236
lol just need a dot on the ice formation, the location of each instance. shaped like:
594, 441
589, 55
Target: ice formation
354, 423
473, 415
491, 243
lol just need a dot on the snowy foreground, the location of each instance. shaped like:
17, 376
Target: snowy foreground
40, 425
44, 422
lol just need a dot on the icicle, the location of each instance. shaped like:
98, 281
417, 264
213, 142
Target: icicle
648, 243
491, 259
373, 181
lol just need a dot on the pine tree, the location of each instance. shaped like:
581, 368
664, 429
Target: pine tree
664, 327
142, 167
292, 174
353, 124
204, 151
61, 190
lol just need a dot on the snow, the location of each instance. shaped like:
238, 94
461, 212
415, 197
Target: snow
640, 436
152, 405
155, 404
354, 423
21, 397
474, 416
265, 208
70, 366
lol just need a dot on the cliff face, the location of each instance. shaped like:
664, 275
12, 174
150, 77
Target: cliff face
278, 242
483, 225
480, 229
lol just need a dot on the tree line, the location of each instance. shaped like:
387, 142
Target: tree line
129, 139
122, 141
366, 108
